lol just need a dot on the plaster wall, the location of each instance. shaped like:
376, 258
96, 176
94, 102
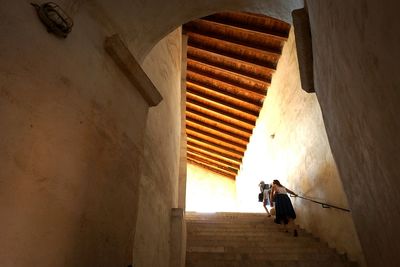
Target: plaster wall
72, 130
159, 182
289, 143
144, 23
356, 52
209, 192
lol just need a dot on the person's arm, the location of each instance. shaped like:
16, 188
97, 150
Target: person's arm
291, 192
271, 197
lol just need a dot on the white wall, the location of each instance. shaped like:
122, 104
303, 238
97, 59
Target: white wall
290, 144
209, 192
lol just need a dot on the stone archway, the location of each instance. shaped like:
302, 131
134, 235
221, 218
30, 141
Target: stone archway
58, 121
143, 25
344, 57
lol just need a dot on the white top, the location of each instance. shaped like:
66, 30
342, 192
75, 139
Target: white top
266, 193
280, 190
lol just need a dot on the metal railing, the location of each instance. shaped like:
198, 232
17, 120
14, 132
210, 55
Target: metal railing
324, 205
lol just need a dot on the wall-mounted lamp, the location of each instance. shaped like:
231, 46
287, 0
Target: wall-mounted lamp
54, 18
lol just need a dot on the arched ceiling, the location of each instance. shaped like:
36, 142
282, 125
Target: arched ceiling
231, 57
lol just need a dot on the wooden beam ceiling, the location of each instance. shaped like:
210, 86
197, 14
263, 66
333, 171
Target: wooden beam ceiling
231, 57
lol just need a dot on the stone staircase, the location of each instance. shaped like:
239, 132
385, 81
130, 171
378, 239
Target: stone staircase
252, 239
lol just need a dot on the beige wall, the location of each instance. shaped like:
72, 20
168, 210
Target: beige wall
53, 169
290, 144
159, 183
356, 52
209, 192
72, 130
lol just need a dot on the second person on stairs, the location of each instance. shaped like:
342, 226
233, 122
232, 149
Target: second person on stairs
284, 212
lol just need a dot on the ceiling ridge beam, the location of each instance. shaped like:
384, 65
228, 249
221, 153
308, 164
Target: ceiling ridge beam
224, 99
191, 112
219, 131
232, 64
213, 159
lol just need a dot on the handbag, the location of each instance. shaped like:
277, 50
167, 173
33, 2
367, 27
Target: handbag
261, 197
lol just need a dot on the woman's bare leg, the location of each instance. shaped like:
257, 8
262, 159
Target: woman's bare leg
266, 209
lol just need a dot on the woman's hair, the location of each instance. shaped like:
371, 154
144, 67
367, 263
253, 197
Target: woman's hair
277, 183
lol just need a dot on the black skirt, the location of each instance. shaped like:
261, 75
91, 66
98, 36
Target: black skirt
283, 209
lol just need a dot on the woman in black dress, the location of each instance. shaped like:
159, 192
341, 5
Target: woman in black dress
284, 212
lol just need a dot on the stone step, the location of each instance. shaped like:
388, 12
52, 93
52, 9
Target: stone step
267, 263
242, 226
264, 235
226, 216
283, 255
255, 249
262, 243
237, 229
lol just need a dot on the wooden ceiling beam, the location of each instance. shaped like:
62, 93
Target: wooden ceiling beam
219, 118
259, 40
192, 104
255, 22
199, 124
223, 99
213, 159
212, 164
231, 58
212, 134
215, 148
232, 64
200, 74
217, 125
233, 157
242, 82
231, 176
196, 98
265, 58
191, 135
212, 155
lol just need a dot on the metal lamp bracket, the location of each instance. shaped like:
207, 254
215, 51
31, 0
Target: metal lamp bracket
54, 18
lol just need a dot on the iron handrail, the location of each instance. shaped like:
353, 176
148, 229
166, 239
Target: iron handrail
324, 205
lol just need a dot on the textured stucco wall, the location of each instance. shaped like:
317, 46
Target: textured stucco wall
209, 192
356, 58
72, 131
159, 183
290, 144
144, 23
